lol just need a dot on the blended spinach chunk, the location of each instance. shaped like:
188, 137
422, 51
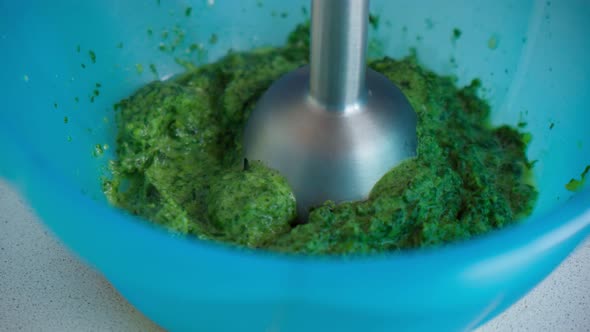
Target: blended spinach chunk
252, 205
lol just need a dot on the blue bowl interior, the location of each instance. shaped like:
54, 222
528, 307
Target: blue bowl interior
538, 73
532, 57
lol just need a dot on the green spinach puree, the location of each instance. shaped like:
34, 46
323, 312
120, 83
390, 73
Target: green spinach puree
179, 163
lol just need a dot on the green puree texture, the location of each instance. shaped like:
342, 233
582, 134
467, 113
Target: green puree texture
179, 164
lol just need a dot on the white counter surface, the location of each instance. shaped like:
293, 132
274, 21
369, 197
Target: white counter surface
44, 287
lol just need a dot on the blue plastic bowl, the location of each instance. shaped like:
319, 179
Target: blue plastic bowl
531, 55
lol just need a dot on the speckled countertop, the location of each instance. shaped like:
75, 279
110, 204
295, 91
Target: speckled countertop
43, 287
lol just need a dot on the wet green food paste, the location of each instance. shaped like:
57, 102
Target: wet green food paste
180, 163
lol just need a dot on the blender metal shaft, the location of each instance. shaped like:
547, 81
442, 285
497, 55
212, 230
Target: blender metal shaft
335, 127
338, 52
